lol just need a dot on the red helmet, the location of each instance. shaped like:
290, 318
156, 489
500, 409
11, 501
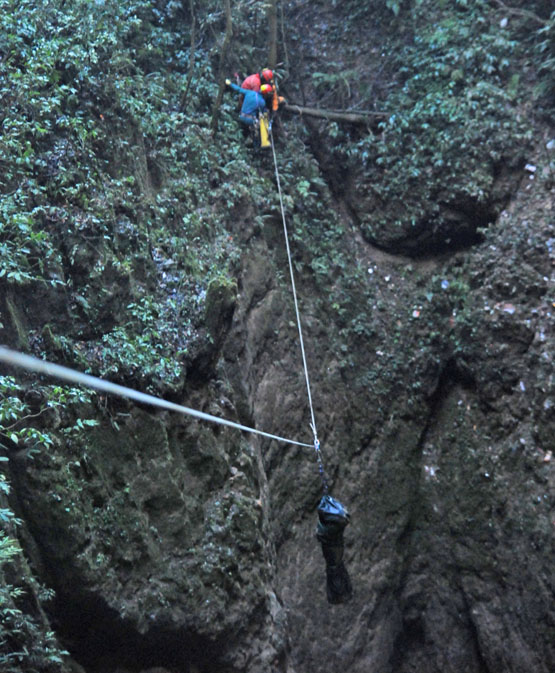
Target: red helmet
267, 75
266, 89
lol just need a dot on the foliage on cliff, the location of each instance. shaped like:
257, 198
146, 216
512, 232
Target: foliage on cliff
114, 201
455, 83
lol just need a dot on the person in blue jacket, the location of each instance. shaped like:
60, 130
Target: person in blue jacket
254, 103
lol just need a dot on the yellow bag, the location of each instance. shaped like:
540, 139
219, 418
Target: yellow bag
265, 130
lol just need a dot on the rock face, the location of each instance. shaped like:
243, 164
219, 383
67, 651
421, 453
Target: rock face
172, 545
451, 544
153, 537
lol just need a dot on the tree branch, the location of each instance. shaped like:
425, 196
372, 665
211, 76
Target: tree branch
335, 116
271, 13
521, 12
192, 51
223, 58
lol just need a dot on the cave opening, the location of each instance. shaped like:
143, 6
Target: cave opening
100, 640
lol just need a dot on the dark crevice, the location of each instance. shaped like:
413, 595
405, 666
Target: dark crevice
459, 228
420, 250
484, 668
338, 178
411, 636
453, 373
95, 634
431, 245
101, 641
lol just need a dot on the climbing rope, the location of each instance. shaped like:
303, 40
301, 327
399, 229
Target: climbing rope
313, 424
57, 371
299, 327
332, 515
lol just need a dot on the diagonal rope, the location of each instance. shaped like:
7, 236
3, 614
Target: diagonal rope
313, 424
57, 371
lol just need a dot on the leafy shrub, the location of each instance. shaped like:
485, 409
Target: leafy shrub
25, 643
445, 140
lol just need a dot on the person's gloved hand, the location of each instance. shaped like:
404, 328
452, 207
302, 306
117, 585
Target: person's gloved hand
227, 82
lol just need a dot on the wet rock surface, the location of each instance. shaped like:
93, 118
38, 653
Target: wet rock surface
450, 487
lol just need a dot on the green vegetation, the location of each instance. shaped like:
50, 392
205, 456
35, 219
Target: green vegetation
451, 115
24, 424
25, 641
455, 82
80, 86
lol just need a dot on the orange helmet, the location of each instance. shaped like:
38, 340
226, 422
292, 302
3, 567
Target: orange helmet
267, 75
266, 89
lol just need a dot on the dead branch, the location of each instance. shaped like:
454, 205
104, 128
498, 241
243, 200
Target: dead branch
271, 13
521, 12
335, 116
192, 51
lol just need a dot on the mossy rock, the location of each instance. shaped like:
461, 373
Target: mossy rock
221, 298
16, 323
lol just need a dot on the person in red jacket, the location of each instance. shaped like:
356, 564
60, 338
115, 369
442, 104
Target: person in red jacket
256, 80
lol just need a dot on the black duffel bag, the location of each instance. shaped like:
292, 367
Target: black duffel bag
333, 517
